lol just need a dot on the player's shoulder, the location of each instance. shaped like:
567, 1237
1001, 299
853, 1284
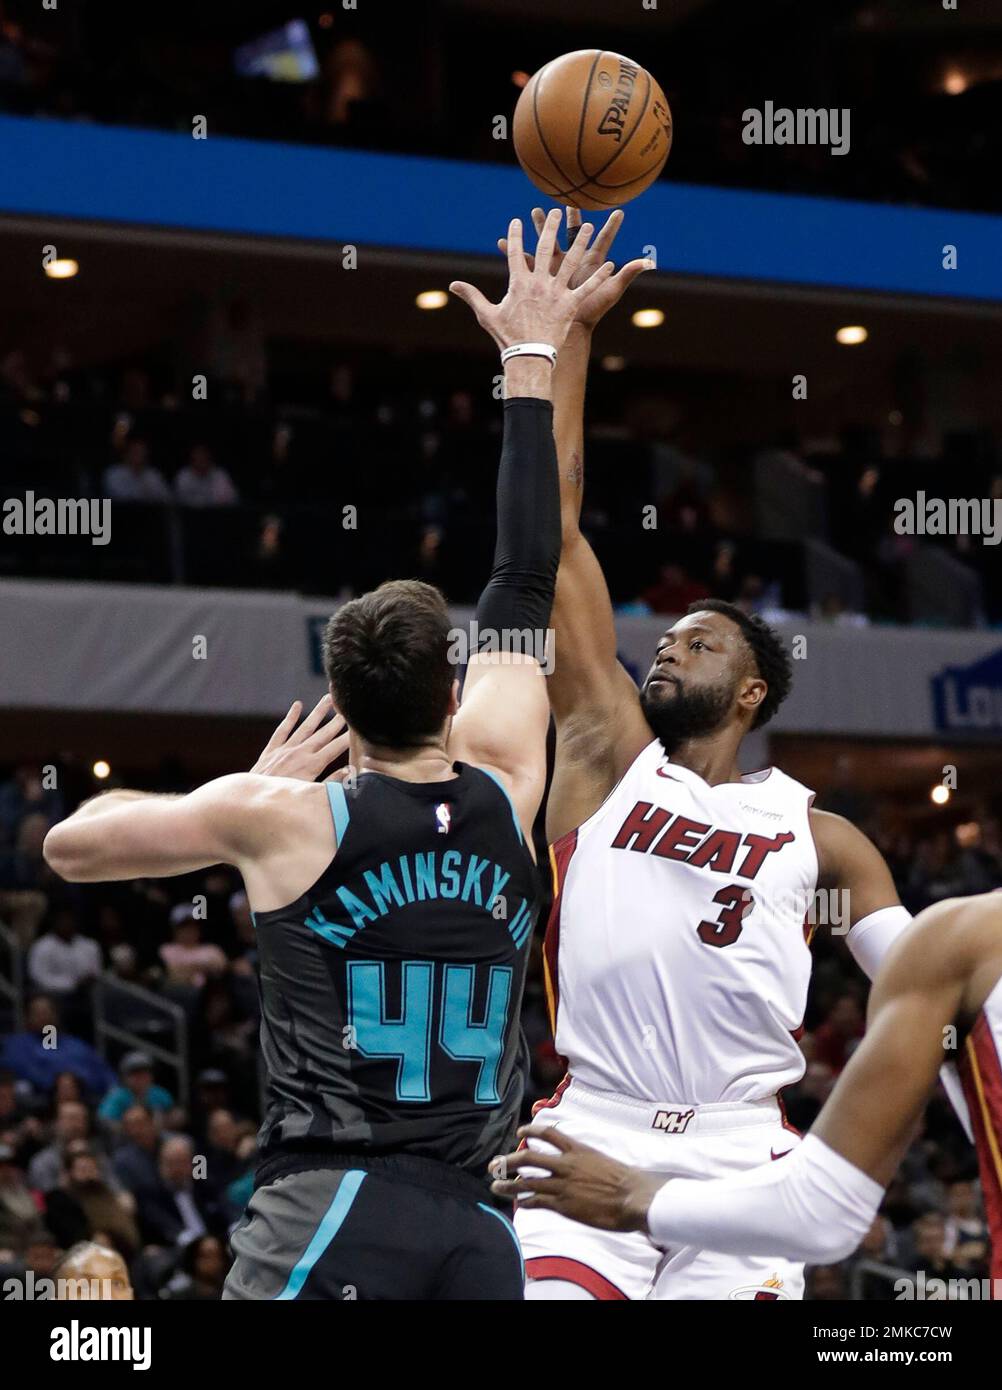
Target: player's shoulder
260, 794
950, 937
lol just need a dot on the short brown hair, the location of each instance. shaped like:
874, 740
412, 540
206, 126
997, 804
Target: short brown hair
386, 656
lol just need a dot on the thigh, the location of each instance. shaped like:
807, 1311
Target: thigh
689, 1273
609, 1265
283, 1244
482, 1257
705, 1274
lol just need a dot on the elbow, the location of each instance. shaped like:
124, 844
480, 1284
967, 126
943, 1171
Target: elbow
57, 851
827, 1245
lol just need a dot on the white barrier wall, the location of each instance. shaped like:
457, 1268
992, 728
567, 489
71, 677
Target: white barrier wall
119, 647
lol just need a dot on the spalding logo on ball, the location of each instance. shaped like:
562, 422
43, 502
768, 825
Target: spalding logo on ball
592, 129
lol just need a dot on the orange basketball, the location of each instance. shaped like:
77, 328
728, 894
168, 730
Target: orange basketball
592, 129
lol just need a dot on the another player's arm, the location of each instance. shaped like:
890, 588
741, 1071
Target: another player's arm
130, 834
501, 724
600, 726
816, 1204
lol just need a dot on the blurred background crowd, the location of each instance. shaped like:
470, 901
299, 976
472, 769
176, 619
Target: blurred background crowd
224, 491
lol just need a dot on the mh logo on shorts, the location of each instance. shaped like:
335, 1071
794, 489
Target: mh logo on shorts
672, 1121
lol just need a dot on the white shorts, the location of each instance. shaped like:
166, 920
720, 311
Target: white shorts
702, 1141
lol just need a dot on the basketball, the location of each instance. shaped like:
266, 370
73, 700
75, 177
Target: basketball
592, 129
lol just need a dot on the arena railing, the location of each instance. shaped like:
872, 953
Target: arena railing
12, 976
105, 1030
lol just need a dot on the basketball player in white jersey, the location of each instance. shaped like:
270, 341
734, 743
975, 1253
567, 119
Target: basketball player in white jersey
676, 955
940, 988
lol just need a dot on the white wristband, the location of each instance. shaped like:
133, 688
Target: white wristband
546, 350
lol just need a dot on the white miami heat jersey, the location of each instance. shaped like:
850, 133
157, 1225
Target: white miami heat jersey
677, 956
981, 1072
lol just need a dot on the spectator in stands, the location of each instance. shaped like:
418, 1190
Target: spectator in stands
674, 591
84, 1205
33, 1057
64, 964
135, 479
966, 1232
201, 1273
99, 1266
202, 483
137, 1088
188, 960
72, 1125
222, 1164
179, 1209
20, 1218
135, 1157
26, 791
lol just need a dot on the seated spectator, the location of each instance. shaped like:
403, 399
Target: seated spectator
188, 960
202, 483
83, 1205
135, 1156
179, 1209
20, 1214
99, 1266
64, 963
33, 1055
135, 479
137, 1088
201, 1272
221, 1161
72, 1124
23, 793
674, 591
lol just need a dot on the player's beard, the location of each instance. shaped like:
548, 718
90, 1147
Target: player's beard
687, 714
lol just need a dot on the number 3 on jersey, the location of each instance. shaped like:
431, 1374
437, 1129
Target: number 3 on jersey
408, 1038
735, 904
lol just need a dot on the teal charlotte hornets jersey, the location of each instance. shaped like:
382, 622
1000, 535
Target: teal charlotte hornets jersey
391, 990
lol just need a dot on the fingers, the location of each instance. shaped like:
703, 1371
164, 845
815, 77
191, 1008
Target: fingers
314, 719
554, 1138
572, 261
573, 225
526, 1191
283, 729
470, 295
530, 260
597, 278
548, 241
607, 235
516, 250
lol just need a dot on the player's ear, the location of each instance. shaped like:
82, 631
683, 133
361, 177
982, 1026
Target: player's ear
753, 692
454, 698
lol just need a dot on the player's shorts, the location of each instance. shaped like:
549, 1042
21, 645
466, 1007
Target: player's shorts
682, 1141
395, 1228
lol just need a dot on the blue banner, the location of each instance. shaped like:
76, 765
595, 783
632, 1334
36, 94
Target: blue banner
110, 174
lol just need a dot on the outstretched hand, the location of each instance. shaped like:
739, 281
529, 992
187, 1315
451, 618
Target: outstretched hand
605, 295
309, 750
576, 1181
545, 292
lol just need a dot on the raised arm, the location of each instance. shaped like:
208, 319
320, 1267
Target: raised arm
501, 724
600, 726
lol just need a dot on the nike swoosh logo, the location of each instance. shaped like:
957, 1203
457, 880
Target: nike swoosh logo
775, 1155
